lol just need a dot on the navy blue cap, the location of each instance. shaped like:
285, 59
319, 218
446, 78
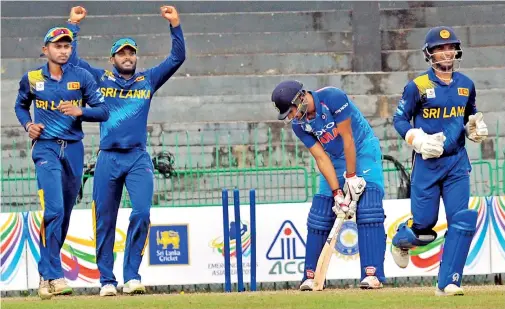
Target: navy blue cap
283, 96
440, 36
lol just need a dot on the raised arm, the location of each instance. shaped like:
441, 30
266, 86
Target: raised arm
159, 74
77, 14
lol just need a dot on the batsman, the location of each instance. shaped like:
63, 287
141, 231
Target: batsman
349, 158
441, 103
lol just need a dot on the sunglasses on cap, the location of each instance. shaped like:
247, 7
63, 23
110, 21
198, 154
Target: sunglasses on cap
122, 43
57, 33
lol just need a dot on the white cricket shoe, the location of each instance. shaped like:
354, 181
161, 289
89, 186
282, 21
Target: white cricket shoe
450, 290
108, 290
44, 289
60, 287
370, 282
134, 287
307, 285
400, 256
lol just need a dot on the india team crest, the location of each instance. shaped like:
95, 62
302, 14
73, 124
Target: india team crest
346, 246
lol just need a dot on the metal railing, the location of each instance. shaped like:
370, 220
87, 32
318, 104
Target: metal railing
277, 165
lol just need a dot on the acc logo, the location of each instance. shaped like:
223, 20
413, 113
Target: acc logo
168, 245
73, 86
288, 250
140, 78
444, 34
463, 92
346, 246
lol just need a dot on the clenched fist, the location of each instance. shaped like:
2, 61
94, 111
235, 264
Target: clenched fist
170, 14
70, 110
34, 130
77, 13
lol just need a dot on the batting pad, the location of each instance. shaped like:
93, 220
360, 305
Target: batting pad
319, 224
457, 244
371, 233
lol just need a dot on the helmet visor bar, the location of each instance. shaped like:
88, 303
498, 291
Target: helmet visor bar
300, 103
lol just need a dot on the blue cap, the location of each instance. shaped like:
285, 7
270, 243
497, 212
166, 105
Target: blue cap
57, 33
283, 96
122, 43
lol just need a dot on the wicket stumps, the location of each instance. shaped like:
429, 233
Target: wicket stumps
236, 230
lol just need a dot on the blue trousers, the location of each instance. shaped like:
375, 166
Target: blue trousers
115, 169
59, 167
446, 177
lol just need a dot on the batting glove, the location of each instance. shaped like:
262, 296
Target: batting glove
354, 186
341, 202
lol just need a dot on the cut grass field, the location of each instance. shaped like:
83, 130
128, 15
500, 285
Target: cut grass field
476, 297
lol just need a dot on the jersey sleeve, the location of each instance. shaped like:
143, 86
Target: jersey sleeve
24, 101
92, 96
307, 139
338, 103
471, 107
406, 109
74, 57
159, 74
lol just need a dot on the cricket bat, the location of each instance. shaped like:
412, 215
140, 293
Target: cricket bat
325, 257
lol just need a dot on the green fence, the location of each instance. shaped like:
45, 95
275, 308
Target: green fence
271, 160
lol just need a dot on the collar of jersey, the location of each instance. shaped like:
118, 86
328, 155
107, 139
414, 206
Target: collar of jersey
434, 78
45, 69
317, 103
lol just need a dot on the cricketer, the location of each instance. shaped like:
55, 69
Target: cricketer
60, 92
123, 159
349, 158
441, 103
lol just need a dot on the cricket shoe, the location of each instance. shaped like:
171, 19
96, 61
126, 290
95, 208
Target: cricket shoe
450, 290
44, 289
60, 287
134, 287
400, 256
108, 290
370, 282
307, 285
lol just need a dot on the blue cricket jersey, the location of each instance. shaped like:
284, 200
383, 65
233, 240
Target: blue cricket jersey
332, 107
76, 85
437, 107
129, 100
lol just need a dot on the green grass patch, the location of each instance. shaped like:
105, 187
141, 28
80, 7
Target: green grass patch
476, 297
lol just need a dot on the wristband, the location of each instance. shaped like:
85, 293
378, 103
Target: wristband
350, 175
28, 126
71, 21
337, 191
